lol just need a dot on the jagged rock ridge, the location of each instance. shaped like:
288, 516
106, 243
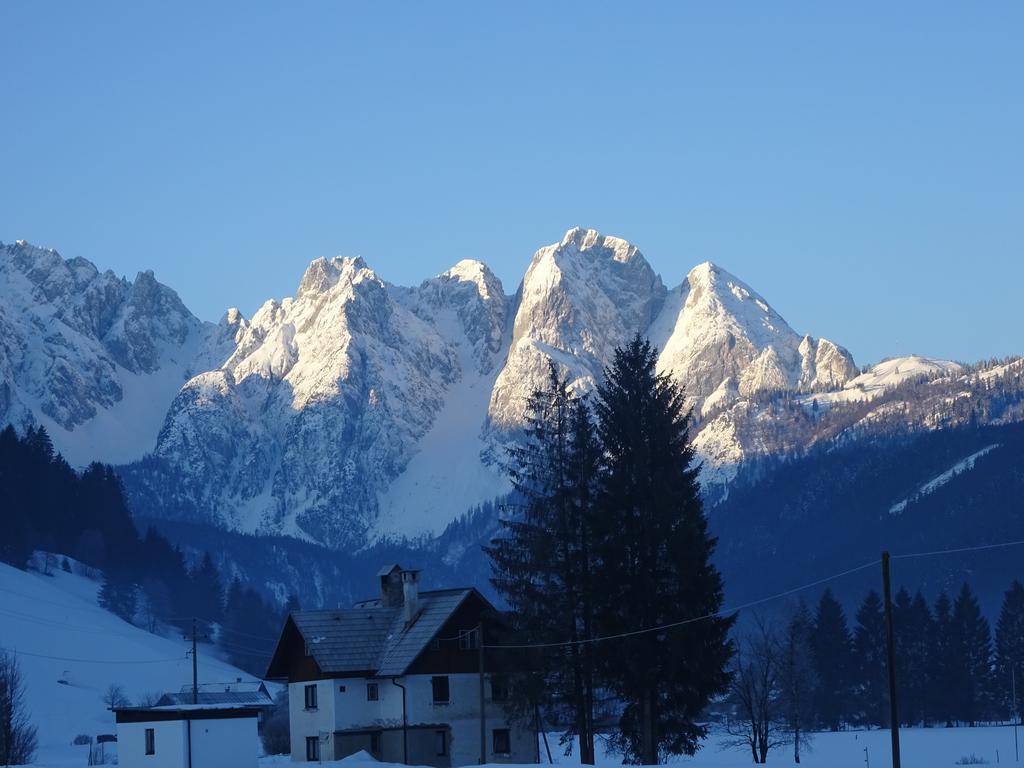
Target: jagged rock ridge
357, 409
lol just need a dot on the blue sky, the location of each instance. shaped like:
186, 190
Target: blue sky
860, 165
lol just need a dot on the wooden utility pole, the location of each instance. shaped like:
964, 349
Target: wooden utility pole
195, 666
483, 711
890, 647
195, 663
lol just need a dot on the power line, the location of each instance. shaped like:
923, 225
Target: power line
88, 661
717, 614
726, 611
959, 550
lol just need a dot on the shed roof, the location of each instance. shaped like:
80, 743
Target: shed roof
214, 698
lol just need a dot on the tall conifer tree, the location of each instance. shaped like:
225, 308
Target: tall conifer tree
972, 648
833, 662
1010, 651
870, 661
914, 635
655, 552
542, 562
944, 687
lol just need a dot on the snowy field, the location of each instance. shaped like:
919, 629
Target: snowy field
921, 748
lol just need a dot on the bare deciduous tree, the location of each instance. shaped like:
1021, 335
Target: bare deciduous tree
755, 691
115, 697
17, 734
797, 679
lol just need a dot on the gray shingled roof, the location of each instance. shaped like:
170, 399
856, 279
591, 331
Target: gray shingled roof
374, 639
235, 698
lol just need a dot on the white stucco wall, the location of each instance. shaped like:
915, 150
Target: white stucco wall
338, 710
168, 742
225, 743
228, 743
312, 722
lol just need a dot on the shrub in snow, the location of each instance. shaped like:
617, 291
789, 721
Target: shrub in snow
17, 735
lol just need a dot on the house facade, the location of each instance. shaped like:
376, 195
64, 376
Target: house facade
187, 736
400, 677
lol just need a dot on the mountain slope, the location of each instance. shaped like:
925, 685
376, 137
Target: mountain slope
70, 651
326, 398
94, 358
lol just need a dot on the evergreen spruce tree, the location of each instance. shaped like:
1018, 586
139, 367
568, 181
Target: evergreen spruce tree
655, 553
249, 629
869, 652
833, 662
914, 634
945, 689
118, 594
972, 646
207, 593
1010, 652
542, 562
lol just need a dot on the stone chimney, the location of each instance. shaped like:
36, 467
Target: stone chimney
390, 586
410, 596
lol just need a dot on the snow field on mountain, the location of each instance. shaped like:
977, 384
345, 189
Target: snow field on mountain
883, 376
964, 465
446, 475
70, 650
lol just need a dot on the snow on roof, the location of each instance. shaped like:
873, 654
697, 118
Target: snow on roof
373, 638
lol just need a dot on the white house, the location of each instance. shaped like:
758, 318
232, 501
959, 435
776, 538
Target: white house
187, 736
399, 677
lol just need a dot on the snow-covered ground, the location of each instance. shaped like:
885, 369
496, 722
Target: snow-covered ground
70, 651
920, 748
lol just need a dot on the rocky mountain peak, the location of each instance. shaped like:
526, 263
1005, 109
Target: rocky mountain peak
580, 298
322, 274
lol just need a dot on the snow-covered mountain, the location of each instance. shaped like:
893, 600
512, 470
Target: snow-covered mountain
723, 341
331, 395
94, 357
580, 299
358, 410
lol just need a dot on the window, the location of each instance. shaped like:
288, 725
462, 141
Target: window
311, 696
312, 748
468, 639
442, 743
499, 688
372, 692
375, 743
501, 741
341, 689
439, 685
150, 742
435, 644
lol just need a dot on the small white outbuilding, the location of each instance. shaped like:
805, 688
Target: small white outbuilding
187, 736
